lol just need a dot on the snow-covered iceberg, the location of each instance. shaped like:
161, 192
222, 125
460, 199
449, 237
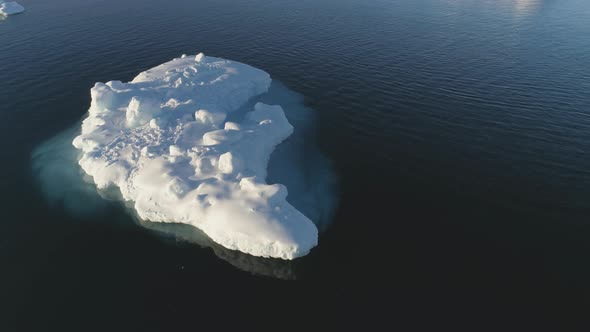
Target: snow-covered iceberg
173, 142
10, 8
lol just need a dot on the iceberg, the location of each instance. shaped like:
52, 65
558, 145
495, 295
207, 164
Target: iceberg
178, 145
10, 8
297, 163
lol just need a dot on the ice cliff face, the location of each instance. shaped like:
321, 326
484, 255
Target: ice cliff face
10, 8
164, 141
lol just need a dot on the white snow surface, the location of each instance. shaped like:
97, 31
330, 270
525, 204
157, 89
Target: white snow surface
164, 141
10, 8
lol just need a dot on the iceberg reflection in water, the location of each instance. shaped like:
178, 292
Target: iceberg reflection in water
181, 234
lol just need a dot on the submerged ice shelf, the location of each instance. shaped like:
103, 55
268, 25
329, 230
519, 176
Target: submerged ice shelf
164, 140
10, 8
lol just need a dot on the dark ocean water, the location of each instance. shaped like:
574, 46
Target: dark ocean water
460, 131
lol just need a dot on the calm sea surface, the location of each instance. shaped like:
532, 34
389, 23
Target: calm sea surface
459, 129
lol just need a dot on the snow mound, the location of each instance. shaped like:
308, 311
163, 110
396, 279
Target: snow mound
164, 141
10, 8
